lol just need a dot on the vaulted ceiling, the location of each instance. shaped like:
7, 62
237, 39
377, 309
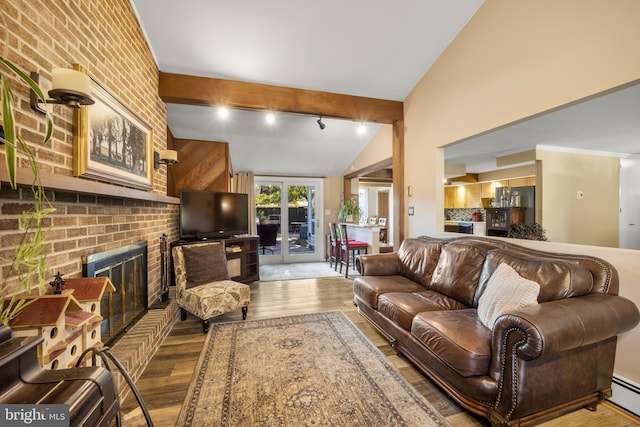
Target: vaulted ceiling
372, 48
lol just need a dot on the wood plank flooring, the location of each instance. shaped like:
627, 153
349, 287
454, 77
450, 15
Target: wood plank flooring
165, 382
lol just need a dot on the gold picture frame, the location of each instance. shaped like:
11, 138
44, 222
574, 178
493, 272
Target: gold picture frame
112, 143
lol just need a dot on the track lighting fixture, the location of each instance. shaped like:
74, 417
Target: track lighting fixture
322, 125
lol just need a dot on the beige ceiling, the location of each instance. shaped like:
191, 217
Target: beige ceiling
372, 48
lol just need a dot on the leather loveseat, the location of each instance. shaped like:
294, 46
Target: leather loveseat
548, 341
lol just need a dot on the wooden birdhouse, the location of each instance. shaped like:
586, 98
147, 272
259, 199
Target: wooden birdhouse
60, 320
89, 291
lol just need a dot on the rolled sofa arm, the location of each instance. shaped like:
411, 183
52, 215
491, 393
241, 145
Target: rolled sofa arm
377, 264
557, 326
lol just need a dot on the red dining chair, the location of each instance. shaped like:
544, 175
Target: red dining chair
348, 248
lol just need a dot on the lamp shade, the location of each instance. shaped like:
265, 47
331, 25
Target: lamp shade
72, 80
70, 87
169, 156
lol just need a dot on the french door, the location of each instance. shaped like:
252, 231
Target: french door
291, 208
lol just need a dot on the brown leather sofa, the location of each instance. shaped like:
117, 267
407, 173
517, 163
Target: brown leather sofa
534, 362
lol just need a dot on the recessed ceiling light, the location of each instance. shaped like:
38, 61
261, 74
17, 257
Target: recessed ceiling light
362, 129
223, 113
270, 118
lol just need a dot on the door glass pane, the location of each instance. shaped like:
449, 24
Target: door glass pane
300, 219
294, 209
268, 215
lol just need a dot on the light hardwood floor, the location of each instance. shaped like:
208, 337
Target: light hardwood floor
164, 383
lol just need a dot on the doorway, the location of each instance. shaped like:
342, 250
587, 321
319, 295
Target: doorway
288, 214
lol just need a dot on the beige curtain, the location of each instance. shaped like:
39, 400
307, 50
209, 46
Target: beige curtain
243, 182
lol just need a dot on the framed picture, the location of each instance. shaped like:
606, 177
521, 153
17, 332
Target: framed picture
382, 222
112, 143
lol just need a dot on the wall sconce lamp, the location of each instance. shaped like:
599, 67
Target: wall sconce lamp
165, 157
69, 87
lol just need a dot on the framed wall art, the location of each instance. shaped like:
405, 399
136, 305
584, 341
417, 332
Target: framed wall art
112, 143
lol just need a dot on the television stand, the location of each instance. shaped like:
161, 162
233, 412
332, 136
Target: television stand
243, 260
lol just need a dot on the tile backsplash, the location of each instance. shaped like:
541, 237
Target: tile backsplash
461, 214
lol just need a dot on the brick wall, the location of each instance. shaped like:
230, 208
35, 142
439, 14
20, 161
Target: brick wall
104, 37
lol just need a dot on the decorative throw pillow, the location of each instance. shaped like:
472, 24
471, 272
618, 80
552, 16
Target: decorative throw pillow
205, 263
506, 290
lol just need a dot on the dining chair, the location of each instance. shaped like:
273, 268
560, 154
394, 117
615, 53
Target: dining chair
348, 248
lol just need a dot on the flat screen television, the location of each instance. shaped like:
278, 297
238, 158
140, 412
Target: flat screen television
212, 215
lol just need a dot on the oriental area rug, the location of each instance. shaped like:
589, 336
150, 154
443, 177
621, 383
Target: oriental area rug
308, 370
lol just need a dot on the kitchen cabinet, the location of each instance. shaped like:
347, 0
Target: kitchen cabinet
471, 195
500, 220
462, 196
455, 196
489, 188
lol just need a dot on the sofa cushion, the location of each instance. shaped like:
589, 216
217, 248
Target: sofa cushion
506, 290
558, 279
458, 271
401, 307
457, 337
369, 288
417, 259
205, 263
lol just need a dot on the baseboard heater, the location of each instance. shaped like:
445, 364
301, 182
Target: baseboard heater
626, 394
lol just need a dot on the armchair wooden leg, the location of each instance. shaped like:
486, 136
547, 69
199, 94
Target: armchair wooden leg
183, 314
205, 326
244, 313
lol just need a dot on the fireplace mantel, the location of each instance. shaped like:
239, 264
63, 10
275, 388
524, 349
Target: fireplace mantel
52, 181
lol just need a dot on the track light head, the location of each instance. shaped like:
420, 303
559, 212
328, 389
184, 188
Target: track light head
322, 125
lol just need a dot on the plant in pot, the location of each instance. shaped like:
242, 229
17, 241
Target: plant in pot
349, 211
27, 270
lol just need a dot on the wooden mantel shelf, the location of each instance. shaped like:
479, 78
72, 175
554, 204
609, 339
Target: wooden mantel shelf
79, 185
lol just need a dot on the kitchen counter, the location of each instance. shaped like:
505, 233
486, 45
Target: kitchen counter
366, 233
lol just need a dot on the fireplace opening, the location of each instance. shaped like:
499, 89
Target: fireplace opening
126, 267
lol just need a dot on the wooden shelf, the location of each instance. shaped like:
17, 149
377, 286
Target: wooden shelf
249, 257
80, 185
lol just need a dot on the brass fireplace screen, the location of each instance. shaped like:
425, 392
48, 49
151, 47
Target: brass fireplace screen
126, 267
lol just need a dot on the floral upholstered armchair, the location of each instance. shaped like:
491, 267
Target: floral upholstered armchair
203, 286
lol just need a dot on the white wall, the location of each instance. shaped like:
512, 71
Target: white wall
514, 60
591, 219
378, 149
630, 203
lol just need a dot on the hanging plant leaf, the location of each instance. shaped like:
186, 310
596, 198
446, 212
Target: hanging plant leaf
29, 261
9, 132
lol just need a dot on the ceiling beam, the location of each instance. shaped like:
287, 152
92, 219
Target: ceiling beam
369, 169
206, 91
194, 90
380, 174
